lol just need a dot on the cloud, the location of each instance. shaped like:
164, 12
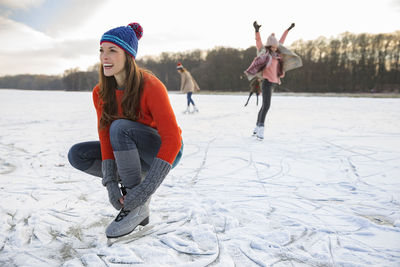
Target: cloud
71, 16
21, 4
16, 36
396, 4
26, 50
54, 59
54, 18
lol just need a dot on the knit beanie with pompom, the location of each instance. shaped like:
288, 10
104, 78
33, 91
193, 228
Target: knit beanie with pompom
272, 41
126, 37
179, 66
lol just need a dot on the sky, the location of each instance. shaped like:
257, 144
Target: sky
51, 36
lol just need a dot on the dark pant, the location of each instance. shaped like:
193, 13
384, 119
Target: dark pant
86, 157
267, 88
135, 146
189, 98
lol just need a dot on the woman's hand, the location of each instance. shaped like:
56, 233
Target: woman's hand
256, 26
114, 194
291, 27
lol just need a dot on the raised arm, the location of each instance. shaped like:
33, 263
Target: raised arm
285, 33
259, 44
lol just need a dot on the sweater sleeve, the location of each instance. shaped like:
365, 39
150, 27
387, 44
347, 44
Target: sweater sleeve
184, 80
196, 87
283, 38
259, 44
104, 133
157, 100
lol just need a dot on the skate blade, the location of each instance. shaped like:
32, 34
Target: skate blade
137, 233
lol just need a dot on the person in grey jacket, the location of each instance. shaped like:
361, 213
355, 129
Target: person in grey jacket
188, 87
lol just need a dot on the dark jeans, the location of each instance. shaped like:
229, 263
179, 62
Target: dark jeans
189, 98
135, 146
267, 88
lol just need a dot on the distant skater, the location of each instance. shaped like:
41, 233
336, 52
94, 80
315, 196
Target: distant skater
139, 138
272, 60
255, 88
188, 86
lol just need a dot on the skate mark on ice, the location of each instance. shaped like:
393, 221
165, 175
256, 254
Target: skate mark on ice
378, 219
181, 246
23, 124
198, 170
294, 239
347, 186
68, 252
192, 153
6, 167
270, 250
353, 168
353, 152
284, 169
11, 148
202, 243
331, 252
66, 213
235, 162
262, 164
253, 258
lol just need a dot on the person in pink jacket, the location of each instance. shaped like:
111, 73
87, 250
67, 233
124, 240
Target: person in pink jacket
271, 73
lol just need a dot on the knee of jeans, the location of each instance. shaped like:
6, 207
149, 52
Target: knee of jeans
73, 156
119, 135
116, 129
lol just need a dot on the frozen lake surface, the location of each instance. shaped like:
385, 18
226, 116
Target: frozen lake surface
322, 189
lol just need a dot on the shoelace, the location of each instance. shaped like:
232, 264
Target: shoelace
122, 214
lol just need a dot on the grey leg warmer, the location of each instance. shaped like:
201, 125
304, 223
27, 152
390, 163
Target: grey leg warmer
138, 195
129, 167
95, 169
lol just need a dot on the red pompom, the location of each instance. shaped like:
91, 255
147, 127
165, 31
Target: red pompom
137, 28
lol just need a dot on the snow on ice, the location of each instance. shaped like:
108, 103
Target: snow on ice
322, 189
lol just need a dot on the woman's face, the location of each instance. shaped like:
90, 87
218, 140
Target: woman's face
273, 48
112, 58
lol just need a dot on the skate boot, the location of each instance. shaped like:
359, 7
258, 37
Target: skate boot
187, 111
195, 109
127, 220
260, 133
255, 131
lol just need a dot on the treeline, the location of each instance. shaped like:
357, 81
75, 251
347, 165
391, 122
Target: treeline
71, 80
348, 63
219, 69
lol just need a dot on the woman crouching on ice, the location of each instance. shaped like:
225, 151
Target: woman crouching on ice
139, 138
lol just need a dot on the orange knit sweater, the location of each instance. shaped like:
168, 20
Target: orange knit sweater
156, 112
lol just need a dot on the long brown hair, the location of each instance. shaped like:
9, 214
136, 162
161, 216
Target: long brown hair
182, 69
132, 93
269, 49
